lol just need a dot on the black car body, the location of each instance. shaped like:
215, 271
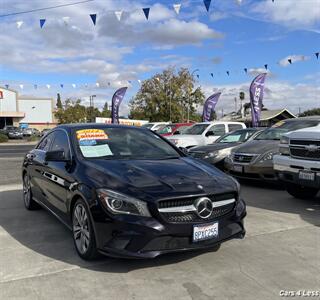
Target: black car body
216, 152
154, 202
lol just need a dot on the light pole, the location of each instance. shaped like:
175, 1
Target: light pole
92, 108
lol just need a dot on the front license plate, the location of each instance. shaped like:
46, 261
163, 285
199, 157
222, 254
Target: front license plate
205, 232
305, 175
238, 168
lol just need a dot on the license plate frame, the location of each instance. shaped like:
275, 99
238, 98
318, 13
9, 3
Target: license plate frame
204, 232
238, 168
307, 175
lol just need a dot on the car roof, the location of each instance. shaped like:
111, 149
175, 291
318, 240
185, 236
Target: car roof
94, 126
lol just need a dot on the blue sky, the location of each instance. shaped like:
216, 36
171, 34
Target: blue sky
234, 35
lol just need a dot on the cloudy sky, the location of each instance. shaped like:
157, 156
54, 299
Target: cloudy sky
234, 35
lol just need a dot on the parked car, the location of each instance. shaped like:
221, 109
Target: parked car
121, 201
12, 132
174, 128
216, 153
204, 133
155, 125
298, 163
45, 131
254, 159
31, 132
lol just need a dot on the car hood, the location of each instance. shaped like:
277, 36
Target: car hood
258, 146
155, 179
213, 147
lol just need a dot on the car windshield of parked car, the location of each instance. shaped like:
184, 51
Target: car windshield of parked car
166, 129
196, 129
238, 136
271, 134
123, 143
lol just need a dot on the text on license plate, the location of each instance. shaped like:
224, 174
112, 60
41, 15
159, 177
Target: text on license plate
205, 232
305, 175
238, 168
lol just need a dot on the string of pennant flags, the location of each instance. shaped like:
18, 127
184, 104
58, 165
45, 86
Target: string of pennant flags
118, 13
130, 82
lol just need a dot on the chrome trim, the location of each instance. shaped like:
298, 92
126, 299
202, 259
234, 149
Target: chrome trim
190, 208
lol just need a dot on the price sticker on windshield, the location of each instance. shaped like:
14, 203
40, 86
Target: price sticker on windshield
91, 134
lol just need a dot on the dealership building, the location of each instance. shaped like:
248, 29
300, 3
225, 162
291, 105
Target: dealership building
24, 111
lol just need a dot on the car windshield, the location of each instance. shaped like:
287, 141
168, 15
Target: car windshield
196, 129
148, 125
165, 129
123, 143
238, 136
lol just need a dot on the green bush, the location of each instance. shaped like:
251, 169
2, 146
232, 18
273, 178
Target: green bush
3, 138
32, 138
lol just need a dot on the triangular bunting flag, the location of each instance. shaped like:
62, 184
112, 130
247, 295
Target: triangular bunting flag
97, 84
74, 85
139, 81
7, 86
35, 86
108, 83
317, 55
93, 18
176, 8
42, 21
207, 4
266, 66
245, 70
211, 74
48, 86
66, 20
146, 12
290, 61
61, 85
198, 76
228, 73
19, 24
118, 14
21, 86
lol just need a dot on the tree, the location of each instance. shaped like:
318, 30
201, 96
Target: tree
59, 103
168, 96
106, 112
310, 112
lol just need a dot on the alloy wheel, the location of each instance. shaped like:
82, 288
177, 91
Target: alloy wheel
26, 190
81, 231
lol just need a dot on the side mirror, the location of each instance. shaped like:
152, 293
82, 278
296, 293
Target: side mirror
176, 132
209, 133
184, 150
57, 155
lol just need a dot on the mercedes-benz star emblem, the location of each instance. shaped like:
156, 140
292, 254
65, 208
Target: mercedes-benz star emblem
204, 207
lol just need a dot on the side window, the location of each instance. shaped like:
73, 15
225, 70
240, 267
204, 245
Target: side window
45, 143
218, 130
233, 127
61, 142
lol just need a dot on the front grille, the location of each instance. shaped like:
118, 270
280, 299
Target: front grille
192, 216
305, 149
243, 158
197, 154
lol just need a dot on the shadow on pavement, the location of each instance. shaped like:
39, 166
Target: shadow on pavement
42, 233
273, 197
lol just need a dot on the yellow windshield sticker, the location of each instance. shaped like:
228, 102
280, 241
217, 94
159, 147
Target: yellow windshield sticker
91, 134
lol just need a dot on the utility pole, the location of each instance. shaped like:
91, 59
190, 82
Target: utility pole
235, 104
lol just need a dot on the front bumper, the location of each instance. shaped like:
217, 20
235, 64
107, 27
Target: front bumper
137, 237
255, 170
288, 168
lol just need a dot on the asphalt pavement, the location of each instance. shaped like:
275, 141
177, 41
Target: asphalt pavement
281, 252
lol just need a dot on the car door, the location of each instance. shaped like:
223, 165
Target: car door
35, 161
214, 132
58, 174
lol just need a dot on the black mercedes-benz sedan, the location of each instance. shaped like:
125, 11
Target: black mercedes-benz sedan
127, 192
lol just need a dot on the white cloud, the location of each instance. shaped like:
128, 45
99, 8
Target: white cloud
294, 58
296, 14
257, 71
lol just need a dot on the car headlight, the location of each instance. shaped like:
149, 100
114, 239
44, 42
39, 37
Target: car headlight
268, 156
117, 203
223, 153
284, 140
284, 150
211, 155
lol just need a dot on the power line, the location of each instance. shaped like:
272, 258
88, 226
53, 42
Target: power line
45, 8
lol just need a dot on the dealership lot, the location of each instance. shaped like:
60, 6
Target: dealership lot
280, 252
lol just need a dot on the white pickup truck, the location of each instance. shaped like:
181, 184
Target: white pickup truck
205, 133
299, 163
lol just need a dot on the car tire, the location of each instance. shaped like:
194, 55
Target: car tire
301, 192
82, 231
29, 202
